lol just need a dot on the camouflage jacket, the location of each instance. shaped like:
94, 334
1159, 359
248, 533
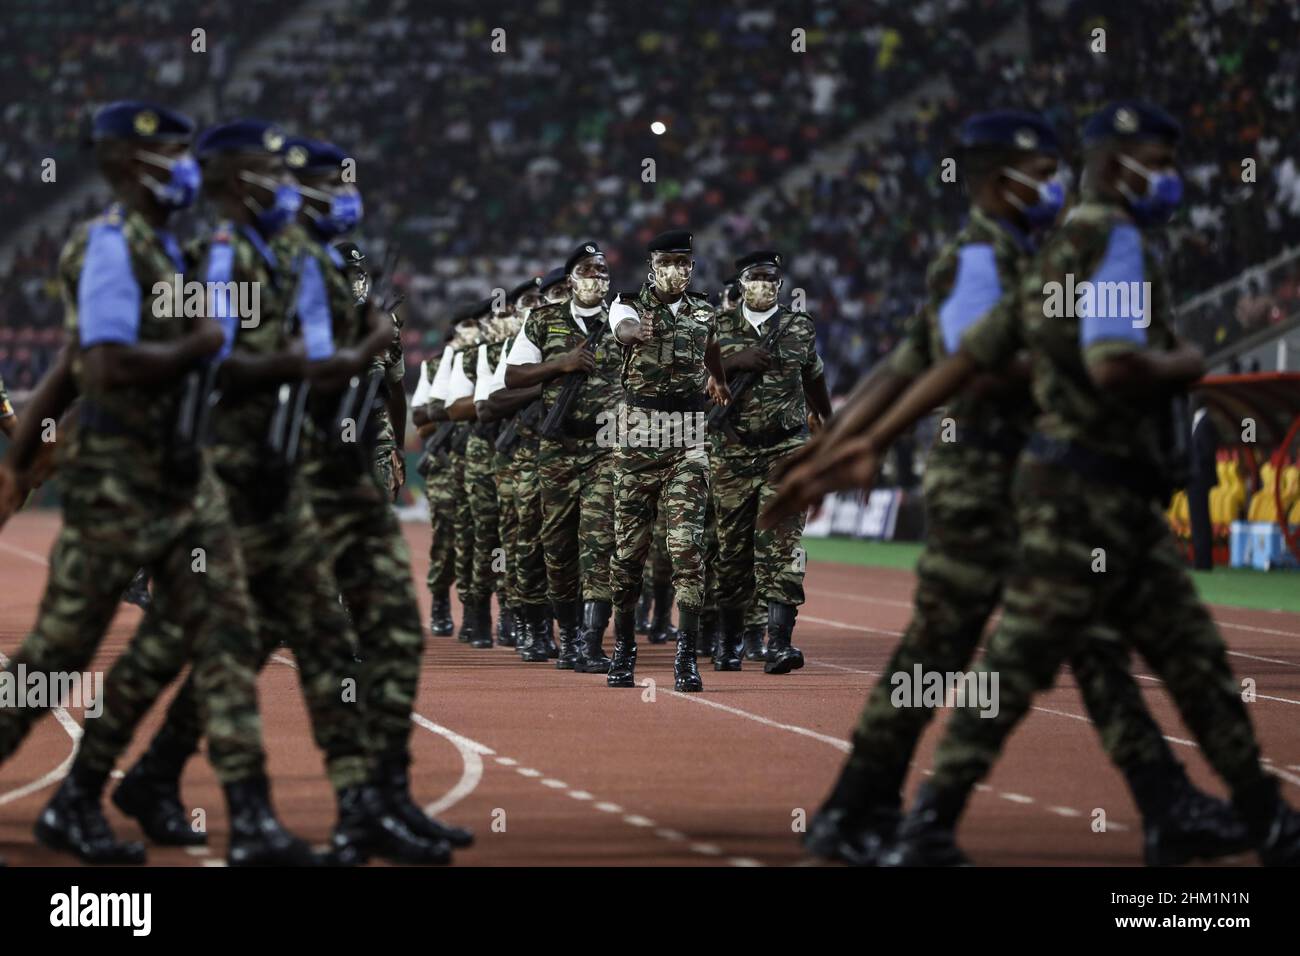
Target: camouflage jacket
671, 364
553, 329
1065, 327
240, 255
977, 272
392, 365
140, 308
775, 401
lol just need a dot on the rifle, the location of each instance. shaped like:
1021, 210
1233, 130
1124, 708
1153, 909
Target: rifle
509, 436
435, 448
553, 425
718, 415
291, 402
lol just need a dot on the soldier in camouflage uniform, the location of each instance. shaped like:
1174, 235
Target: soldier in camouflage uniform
670, 359
1090, 483
770, 419
8, 418
576, 472
520, 410
138, 490
294, 592
428, 413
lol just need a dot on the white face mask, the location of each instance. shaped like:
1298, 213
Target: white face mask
760, 294
671, 278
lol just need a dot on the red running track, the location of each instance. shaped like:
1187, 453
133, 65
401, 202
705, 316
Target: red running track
554, 768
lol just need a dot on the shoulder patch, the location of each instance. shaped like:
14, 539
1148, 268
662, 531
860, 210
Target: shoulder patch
975, 290
1114, 303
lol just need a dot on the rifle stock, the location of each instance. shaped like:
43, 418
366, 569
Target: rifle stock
558, 414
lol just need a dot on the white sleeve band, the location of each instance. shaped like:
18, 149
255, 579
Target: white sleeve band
524, 351
440, 378
482, 376
421, 396
620, 311
499, 376
459, 386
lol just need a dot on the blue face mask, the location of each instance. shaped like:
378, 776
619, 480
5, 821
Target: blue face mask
183, 178
1051, 197
1163, 195
271, 219
344, 215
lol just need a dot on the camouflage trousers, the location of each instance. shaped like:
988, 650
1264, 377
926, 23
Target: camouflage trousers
481, 490
295, 601
503, 468
766, 565
756, 616
183, 536
577, 479
970, 547
372, 566
530, 560
441, 495
463, 522
646, 482
659, 566
1057, 592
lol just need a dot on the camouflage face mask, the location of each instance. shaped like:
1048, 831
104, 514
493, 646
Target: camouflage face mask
670, 278
760, 294
590, 290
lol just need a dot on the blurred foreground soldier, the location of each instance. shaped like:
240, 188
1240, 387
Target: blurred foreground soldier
1090, 487
788, 395
138, 491
670, 360
568, 352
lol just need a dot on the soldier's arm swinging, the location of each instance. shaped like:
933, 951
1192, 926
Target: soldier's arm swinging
112, 364
718, 375
818, 396
1148, 371
335, 371
243, 369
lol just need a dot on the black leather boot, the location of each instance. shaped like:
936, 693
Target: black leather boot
150, 793
137, 592
1179, 822
926, 837
367, 826
566, 613
706, 645
394, 782
727, 657
538, 622
754, 643
546, 633
661, 623
782, 656
1273, 826
467, 621
686, 674
257, 838
592, 658
440, 624
482, 623
506, 625
523, 629
643, 609
73, 822
622, 669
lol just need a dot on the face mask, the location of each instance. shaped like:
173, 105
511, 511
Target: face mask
590, 290
280, 213
759, 294
670, 279
1051, 197
183, 179
1164, 193
557, 294
344, 215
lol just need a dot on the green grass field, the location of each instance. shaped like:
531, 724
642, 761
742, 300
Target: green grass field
1235, 587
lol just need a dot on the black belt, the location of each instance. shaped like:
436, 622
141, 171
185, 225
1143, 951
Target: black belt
1141, 478
667, 403
767, 437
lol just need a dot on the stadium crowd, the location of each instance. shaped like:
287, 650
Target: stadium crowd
559, 157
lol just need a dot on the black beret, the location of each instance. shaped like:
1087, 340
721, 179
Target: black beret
466, 312
304, 155
675, 240
352, 255
1133, 121
553, 278
142, 122
764, 257
242, 136
580, 253
524, 287
1009, 129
